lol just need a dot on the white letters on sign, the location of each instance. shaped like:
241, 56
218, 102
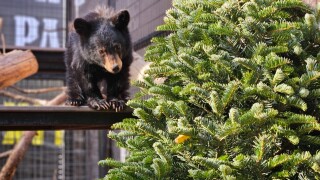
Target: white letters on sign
50, 33
78, 3
49, 1
27, 30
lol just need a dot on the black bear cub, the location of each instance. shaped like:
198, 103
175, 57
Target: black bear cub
97, 58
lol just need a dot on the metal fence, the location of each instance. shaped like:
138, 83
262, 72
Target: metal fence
33, 84
35, 23
59, 155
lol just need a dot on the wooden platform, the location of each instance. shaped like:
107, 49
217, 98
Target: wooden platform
58, 117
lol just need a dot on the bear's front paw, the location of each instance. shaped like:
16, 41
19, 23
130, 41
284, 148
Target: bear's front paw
117, 104
75, 102
98, 104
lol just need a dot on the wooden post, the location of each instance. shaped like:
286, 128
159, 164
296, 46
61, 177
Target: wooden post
3, 41
15, 66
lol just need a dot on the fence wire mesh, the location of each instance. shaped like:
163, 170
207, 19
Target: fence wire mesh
58, 155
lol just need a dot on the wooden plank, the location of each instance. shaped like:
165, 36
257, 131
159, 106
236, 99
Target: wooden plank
58, 117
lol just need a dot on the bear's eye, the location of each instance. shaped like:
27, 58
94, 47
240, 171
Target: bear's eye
101, 51
117, 47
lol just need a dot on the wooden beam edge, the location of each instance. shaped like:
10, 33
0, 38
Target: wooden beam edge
58, 117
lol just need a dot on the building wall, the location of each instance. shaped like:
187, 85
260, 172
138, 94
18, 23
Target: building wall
312, 3
146, 15
89, 5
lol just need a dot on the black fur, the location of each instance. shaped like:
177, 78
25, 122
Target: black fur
96, 36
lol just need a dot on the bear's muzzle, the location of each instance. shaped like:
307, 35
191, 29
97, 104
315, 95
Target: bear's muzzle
112, 63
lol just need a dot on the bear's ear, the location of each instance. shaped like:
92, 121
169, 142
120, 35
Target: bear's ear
121, 19
81, 26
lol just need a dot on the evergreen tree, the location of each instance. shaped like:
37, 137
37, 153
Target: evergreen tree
239, 99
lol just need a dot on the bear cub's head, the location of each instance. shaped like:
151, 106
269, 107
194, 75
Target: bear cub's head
104, 40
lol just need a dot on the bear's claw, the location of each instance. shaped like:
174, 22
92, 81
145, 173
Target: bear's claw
98, 104
116, 104
75, 102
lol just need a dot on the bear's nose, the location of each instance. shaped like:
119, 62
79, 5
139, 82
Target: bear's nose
115, 68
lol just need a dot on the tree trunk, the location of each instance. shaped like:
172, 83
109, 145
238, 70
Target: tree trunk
15, 66
17, 154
